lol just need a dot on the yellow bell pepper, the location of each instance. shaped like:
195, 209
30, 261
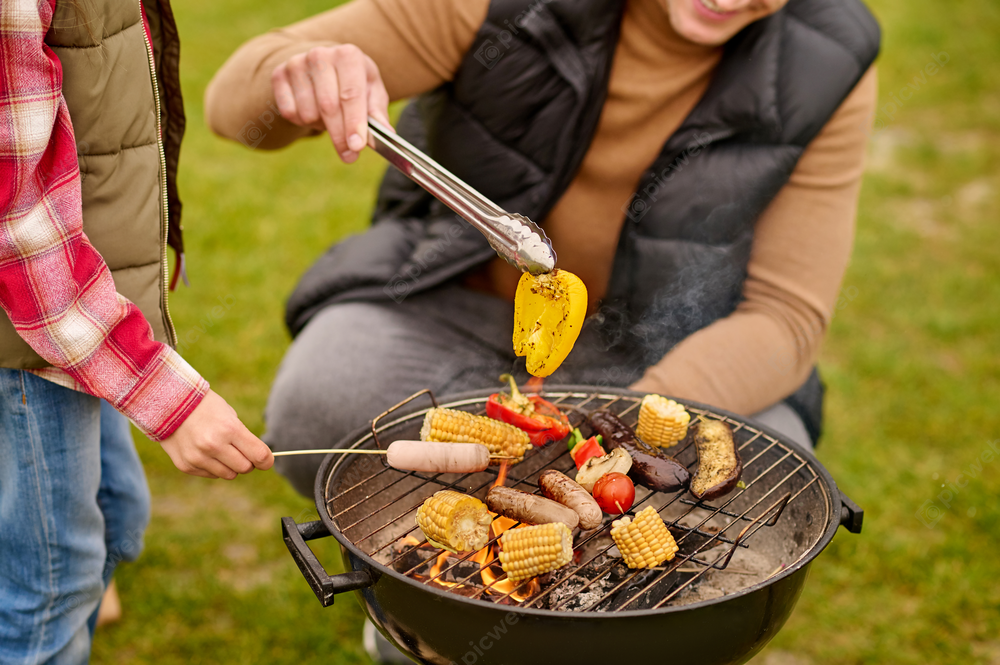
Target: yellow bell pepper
548, 314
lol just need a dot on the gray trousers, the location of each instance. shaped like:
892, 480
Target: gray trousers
355, 360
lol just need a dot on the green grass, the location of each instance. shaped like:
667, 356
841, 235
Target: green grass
912, 364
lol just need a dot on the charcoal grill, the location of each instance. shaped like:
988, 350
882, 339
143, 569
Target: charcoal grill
742, 562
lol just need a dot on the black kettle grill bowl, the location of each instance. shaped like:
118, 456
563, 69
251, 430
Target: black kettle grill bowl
435, 625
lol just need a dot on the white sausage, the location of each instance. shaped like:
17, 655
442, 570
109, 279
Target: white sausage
438, 457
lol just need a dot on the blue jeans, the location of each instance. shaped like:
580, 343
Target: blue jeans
73, 504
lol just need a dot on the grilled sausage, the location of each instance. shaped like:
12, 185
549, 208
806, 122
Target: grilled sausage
438, 457
650, 467
719, 463
529, 508
565, 490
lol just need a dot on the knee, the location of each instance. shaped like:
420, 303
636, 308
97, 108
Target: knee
309, 409
298, 418
300, 473
315, 400
305, 411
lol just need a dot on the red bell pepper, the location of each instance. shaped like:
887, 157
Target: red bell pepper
539, 418
582, 449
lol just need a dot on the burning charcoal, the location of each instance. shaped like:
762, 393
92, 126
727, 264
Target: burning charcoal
414, 558
571, 596
461, 589
586, 550
641, 581
466, 570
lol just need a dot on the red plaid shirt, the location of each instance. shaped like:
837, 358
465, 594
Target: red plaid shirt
54, 286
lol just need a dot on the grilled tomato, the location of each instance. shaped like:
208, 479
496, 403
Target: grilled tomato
614, 493
548, 314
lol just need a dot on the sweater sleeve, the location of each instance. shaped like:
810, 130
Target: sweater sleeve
765, 349
417, 45
54, 286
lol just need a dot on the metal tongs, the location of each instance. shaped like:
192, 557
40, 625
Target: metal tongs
514, 237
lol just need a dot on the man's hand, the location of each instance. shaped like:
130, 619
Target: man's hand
334, 88
213, 443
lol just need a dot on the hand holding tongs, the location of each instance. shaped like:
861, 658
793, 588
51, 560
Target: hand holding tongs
514, 237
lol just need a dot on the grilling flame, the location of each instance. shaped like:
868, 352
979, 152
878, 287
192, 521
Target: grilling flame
486, 556
438, 566
534, 384
501, 474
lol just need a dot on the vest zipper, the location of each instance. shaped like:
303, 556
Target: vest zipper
164, 215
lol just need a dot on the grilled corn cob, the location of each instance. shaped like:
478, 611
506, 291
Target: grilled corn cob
454, 521
455, 426
644, 542
662, 422
533, 550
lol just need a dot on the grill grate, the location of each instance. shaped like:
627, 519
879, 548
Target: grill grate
373, 506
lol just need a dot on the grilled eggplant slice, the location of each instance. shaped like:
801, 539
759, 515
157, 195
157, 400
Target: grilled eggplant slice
719, 463
650, 467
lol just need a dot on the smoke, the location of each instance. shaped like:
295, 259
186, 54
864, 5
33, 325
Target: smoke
677, 287
694, 298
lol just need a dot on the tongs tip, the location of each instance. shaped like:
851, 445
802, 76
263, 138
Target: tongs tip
514, 237
534, 252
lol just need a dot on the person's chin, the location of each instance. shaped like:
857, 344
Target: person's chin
693, 30
707, 30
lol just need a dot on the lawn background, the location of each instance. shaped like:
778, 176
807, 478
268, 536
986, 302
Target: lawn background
911, 361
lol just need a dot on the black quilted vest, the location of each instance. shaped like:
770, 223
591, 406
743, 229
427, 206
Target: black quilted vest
518, 118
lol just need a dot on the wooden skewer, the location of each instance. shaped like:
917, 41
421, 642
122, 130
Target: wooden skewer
359, 451
324, 451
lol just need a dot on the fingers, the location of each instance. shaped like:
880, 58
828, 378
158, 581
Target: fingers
193, 461
235, 453
216, 469
300, 79
335, 88
326, 80
213, 443
177, 457
253, 451
283, 95
341, 83
353, 79
217, 461
378, 96
234, 460
200, 473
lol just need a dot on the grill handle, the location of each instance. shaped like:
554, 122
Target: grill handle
324, 585
851, 514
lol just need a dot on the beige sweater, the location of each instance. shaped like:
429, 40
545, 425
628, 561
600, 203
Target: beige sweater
745, 362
